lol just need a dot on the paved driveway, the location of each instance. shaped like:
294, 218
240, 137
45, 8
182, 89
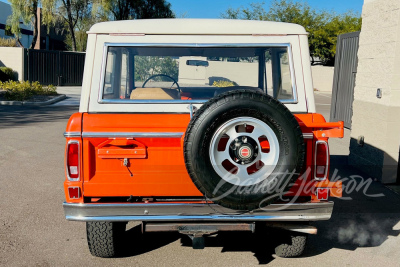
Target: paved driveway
73, 94
33, 232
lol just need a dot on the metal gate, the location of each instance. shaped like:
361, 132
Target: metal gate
344, 78
54, 67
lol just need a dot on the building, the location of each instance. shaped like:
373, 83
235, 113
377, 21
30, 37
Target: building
52, 40
26, 30
376, 106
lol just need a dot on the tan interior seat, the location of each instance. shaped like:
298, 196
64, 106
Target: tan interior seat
155, 93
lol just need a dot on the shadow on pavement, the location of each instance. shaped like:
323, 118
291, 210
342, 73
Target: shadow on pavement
363, 218
20, 116
137, 243
258, 243
366, 216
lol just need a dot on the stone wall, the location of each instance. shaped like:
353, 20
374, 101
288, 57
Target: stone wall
375, 119
322, 78
13, 57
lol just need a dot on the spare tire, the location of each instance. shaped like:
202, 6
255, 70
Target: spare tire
243, 148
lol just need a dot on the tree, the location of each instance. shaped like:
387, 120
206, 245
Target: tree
255, 11
147, 9
25, 10
80, 15
326, 40
80, 34
323, 27
71, 14
68, 13
136, 9
147, 66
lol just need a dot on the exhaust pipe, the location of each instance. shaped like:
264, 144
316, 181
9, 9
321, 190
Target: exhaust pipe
301, 228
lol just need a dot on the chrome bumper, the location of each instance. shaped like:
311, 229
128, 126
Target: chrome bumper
195, 212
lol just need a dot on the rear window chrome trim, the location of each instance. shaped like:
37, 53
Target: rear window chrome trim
132, 134
149, 101
100, 99
155, 101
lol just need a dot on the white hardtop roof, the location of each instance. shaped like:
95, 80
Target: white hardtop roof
196, 26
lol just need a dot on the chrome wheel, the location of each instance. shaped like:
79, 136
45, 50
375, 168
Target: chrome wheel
244, 151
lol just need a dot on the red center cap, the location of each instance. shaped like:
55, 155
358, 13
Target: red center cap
245, 152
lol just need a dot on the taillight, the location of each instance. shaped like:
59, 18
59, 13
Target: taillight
73, 161
74, 192
321, 160
322, 193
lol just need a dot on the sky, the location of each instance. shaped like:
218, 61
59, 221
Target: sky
214, 8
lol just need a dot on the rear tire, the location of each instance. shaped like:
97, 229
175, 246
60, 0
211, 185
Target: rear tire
293, 245
105, 238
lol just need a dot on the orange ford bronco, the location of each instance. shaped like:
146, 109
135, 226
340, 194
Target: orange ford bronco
198, 126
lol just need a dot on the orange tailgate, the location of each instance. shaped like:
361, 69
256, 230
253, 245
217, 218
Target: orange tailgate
119, 161
141, 154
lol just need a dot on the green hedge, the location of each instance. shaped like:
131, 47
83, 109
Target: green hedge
222, 83
20, 91
6, 74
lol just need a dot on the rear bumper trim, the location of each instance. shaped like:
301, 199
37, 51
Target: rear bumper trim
195, 212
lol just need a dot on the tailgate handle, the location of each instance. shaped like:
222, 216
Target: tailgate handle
121, 148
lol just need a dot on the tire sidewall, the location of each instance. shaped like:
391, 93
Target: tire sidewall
271, 187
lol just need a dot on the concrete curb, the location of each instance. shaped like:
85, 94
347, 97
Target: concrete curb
27, 103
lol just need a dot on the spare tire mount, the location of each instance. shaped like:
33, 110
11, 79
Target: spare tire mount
243, 149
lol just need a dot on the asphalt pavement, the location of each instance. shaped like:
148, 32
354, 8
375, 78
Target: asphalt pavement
363, 231
73, 94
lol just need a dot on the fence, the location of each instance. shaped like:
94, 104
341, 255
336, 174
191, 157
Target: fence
54, 67
344, 78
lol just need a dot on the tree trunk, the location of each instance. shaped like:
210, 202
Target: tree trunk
19, 42
35, 25
70, 21
73, 38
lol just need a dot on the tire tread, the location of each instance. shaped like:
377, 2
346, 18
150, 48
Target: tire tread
295, 249
104, 238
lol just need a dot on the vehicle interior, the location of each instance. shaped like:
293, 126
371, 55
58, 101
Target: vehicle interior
195, 73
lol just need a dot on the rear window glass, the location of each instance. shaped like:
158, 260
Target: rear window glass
195, 73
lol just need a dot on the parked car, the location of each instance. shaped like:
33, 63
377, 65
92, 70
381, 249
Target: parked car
198, 126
